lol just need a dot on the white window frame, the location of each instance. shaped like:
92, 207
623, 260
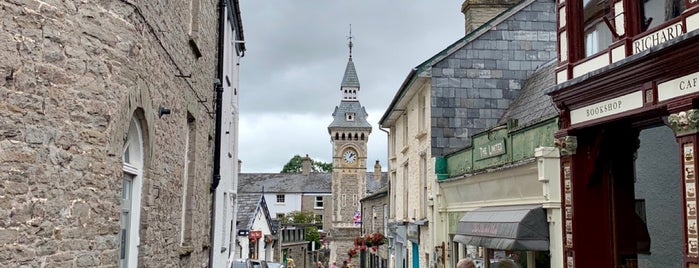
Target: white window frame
133, 173
281, 199
318, 200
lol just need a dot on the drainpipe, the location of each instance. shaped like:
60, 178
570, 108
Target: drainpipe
218, 87
388, 165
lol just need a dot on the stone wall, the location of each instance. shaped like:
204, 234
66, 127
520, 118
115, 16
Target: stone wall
72, 76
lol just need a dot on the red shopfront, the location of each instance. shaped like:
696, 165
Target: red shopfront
629, 131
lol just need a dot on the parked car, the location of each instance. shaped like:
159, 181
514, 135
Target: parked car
259, 264
275, 265
241, 263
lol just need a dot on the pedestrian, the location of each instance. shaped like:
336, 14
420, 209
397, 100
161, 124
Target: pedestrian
466, 263
290, 263
319, 264
334, 265
344, 264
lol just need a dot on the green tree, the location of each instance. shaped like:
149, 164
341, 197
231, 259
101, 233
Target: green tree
299, 217
295, 165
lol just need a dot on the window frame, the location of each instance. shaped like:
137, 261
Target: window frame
280, 199
315, 202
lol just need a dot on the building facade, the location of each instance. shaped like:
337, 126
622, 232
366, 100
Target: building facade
499, 198
627, 101
106, 159
443, 102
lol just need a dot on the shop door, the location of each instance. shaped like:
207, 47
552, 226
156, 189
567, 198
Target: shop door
416, 255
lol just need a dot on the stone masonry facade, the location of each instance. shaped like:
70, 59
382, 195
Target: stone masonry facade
472, 87
72, 76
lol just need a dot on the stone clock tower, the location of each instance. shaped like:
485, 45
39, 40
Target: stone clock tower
349, 133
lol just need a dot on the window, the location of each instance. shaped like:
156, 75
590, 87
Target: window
394, 192
598, 36
406, 192
280, 215
349, 116
423, 181
281, 199
423, 113
131, 195
405, 130
655, 12
188, 182
319, 202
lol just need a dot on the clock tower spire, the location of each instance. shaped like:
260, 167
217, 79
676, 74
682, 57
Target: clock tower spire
349, 134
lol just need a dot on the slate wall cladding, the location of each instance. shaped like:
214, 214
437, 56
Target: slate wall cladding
472, 88
72, 75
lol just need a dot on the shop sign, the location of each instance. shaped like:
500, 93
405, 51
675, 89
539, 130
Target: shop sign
254, 235
658, 37
414, 233
678, 87
606, 108
491, 149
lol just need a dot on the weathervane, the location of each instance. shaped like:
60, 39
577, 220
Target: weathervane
350, 41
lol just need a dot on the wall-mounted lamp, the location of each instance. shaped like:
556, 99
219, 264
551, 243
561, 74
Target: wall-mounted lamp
163, 111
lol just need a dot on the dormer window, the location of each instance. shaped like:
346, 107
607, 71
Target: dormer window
349, 116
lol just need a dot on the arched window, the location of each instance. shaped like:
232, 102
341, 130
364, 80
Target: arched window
356, 137
131, 196
343, 136
362, 136
337, 136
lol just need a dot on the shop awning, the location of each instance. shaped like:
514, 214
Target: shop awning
505, 227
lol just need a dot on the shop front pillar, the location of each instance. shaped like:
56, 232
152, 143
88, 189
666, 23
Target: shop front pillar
685, 124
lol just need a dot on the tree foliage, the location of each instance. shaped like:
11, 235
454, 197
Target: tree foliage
295, 166
299, 217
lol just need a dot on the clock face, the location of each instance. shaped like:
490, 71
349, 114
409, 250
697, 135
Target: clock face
349, 156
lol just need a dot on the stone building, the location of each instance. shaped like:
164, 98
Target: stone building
462, 90
375, 221
305, 191
108, 134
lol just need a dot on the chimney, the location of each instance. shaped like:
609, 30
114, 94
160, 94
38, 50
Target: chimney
377, 171
478, 12
240, 166
306, 165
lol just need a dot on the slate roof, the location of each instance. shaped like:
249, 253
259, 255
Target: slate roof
424, 69
533, 105
297, 182
350, 106
350, 78
248, 205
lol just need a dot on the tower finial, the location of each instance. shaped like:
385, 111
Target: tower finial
350, 41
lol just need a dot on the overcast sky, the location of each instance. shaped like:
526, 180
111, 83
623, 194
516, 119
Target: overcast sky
296, 56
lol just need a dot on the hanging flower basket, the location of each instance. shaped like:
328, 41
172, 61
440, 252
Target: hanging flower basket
351, 253
358, 241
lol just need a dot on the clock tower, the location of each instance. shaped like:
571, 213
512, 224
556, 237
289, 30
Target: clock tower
349, 134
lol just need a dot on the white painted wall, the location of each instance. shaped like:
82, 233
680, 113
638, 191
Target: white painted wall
223, 241
292, 203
